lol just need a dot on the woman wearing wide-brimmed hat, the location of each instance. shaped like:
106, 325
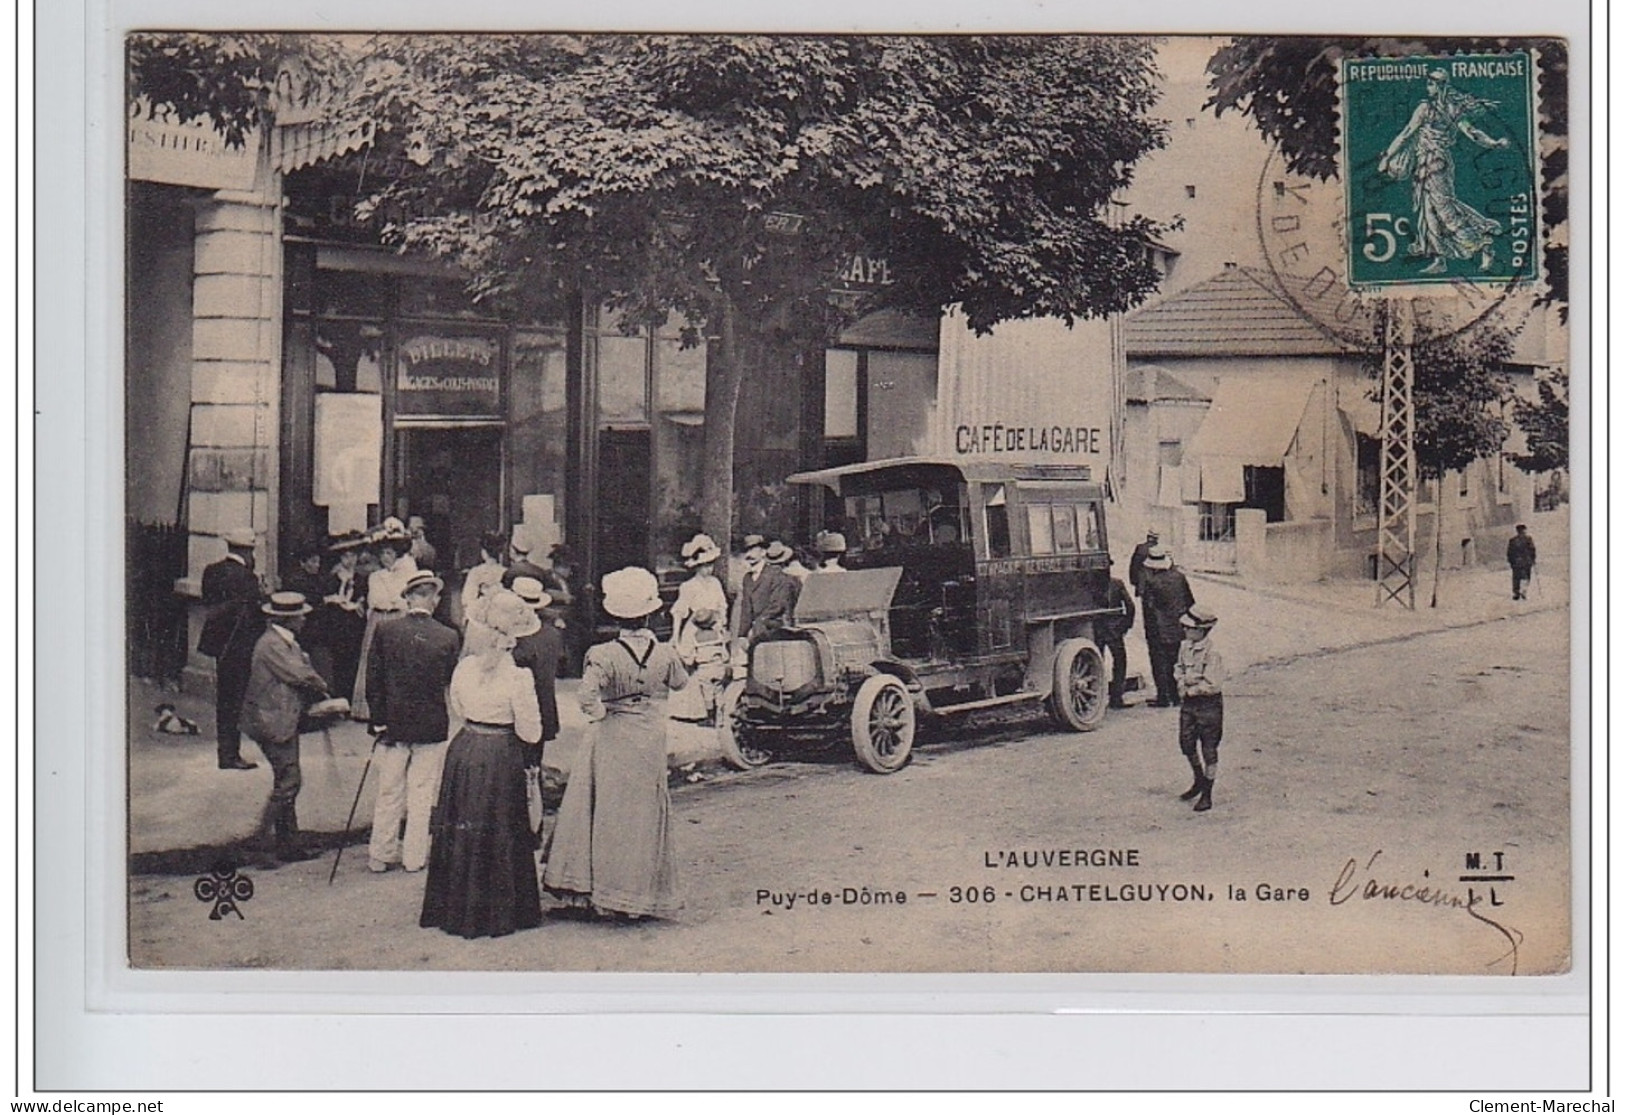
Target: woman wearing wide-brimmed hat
482, 866
612, 845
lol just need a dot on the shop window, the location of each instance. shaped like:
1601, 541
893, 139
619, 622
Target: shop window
353, 294
349, 357
1216, 522
623, 380
840, 393
998, 520
1040, 529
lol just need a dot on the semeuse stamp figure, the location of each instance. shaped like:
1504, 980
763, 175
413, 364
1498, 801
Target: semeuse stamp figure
1446, 226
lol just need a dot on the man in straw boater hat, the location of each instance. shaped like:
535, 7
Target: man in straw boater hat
231, 594
1136, 561
769, 601
1200, 674
409, 667
281, 684
1164, 594
540, 652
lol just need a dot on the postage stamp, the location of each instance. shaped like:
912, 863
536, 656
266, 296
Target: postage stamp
1439, 170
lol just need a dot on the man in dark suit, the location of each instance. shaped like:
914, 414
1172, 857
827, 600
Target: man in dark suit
769, 601
1136, 561
1521, 560
540, 651
408, 669
1165, 595
231, 593
281, 683
1112, 630
754, 553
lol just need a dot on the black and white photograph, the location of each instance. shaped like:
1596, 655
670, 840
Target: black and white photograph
625, 502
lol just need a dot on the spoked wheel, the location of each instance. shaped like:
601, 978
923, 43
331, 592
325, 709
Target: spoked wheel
883, 724
734, 736
1078, 699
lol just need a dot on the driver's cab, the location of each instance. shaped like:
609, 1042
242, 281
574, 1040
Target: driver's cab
918, 517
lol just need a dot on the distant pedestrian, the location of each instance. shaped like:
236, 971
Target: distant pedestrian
421, 549
1112, 630
309, 581
752, 560
699, 625
1521, 557
831, 552
343, 613
231, 627
1201, 677
282, 684
1136, 561
1164, 597
612, 845
408, 671
540, 652
482, 865
384, 600
520, 550
485, 576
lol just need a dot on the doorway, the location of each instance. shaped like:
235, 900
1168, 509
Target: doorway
623, 499
452, 478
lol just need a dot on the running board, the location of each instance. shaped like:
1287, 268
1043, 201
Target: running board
990, 702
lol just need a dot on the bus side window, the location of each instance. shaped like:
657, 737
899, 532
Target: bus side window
1089, 525
998, 521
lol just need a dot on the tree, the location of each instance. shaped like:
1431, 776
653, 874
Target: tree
1545, 424
234, 81
729, 179
1288, 86
1459, 388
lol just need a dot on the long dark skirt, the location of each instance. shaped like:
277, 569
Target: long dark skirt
482, 873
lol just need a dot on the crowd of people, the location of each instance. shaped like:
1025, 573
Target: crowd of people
460, 699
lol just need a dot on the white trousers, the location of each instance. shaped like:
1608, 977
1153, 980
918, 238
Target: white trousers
408, 782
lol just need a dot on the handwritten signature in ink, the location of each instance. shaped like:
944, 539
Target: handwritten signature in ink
1357, 882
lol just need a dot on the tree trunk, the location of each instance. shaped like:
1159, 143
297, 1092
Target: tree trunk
724, 376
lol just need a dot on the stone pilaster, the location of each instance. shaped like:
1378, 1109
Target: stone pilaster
236, 366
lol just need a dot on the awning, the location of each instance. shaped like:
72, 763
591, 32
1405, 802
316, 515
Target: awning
1363, 412
1252, 421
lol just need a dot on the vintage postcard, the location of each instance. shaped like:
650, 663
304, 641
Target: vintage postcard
1053, 503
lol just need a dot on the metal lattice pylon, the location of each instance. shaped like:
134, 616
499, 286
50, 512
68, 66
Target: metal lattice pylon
1396, 529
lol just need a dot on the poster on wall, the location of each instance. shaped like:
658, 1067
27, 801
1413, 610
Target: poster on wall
349, 451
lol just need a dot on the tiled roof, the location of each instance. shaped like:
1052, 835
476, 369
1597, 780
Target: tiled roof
1241, 311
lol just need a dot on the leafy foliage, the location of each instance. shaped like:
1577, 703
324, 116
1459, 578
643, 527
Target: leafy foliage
1288, 86
650, 168
1545, 424
1459, 389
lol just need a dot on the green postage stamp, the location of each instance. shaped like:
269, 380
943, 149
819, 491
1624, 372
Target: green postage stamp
1439, 170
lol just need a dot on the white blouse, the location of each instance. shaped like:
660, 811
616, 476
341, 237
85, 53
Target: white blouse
504, 695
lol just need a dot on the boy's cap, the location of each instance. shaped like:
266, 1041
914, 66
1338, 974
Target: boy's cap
1198, 616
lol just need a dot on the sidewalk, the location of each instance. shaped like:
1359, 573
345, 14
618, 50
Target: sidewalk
180, 801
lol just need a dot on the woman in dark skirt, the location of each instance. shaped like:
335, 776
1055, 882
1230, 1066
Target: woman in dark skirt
482, 871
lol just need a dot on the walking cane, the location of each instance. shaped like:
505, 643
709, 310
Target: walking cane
348, 821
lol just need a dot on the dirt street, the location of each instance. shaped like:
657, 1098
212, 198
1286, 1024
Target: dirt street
1354, 787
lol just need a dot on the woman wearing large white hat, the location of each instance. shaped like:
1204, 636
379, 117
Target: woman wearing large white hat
612, 845
482, 865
